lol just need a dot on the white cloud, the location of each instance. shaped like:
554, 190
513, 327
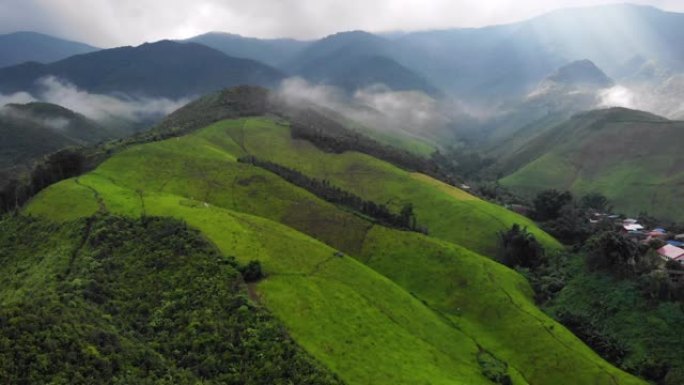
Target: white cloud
117, 22
412, 113
103, 107
95, 106
666, 99
618, 96
19, 98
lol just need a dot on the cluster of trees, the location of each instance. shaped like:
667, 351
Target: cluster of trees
519, 248
405, 220
566, 218
144, 301
602, 285
53, 168
493, 368
610, 293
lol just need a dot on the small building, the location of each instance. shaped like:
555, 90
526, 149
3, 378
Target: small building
679, 237
636, 235
632, 227
669, 252
656, 235
676, 243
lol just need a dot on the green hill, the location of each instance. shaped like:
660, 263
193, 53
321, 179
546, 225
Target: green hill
30, 131
123, 301
398, 308
632, 157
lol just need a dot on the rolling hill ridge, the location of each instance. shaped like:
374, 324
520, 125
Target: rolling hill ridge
632, 157
358, 296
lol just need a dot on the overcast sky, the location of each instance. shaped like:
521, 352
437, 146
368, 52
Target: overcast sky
108, 23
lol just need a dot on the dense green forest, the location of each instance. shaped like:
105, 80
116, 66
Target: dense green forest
109, 300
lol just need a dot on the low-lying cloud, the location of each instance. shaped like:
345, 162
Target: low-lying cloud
102, 107
98, 107
57, 124
666, 99
17, 98
381, 108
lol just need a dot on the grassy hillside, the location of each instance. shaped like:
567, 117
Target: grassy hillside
449, 213
417, 310
110, 300
632, 157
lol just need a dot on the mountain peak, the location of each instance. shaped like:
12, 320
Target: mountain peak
581, 73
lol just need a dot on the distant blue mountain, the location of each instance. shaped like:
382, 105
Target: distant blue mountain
161, 69
274, 52
20, 47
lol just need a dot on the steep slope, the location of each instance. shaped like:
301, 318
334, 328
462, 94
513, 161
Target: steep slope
365, 327
20, 47
162, 69
110, 300
632, 157
274, 52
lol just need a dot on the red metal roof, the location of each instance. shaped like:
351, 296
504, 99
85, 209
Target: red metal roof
671, 252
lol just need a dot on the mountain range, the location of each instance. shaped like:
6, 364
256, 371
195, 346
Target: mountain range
151, 70
20, 47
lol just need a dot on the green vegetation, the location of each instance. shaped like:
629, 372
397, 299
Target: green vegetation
631, 322
31, 131
405, 309
110, 300
633, 158
519, 248
449, 213
405, 220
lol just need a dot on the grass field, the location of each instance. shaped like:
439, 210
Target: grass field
402, 308
632, 158
448, 212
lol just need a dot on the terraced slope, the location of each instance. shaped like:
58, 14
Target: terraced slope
417, 310
632, 157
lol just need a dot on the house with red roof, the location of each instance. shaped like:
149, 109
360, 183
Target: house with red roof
669, 252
